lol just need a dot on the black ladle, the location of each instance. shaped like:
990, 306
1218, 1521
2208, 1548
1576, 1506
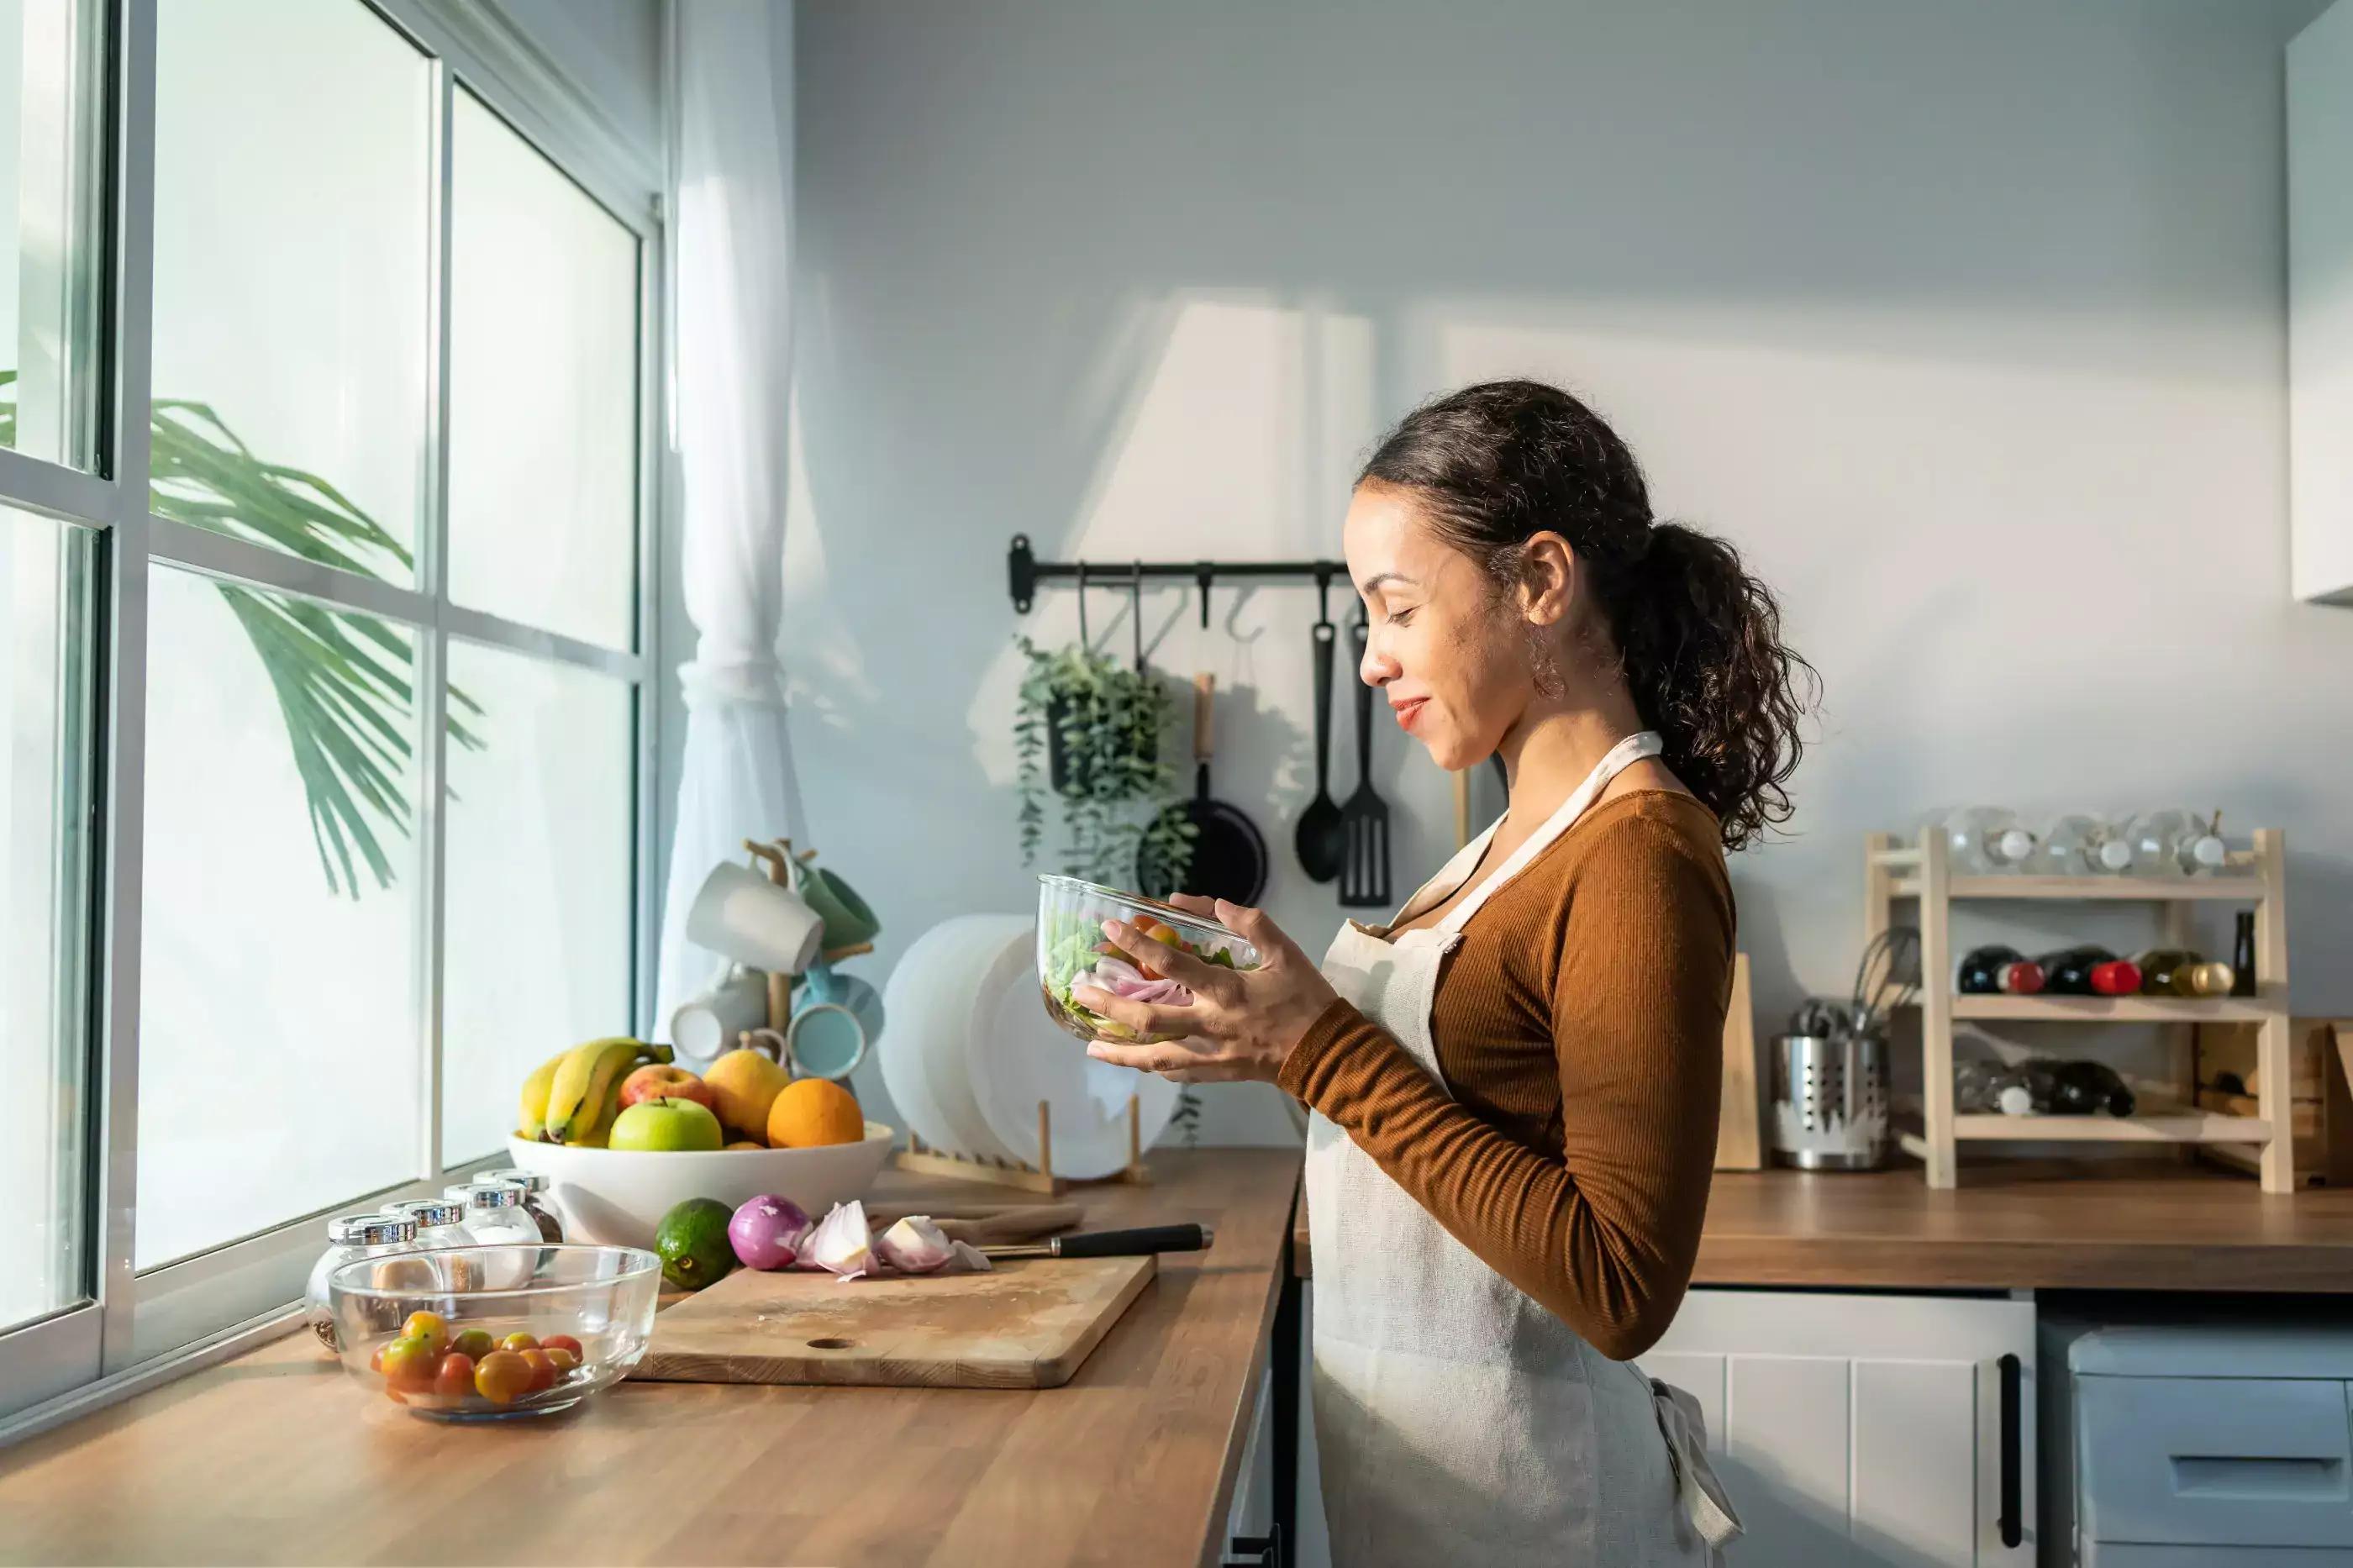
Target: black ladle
1321, 839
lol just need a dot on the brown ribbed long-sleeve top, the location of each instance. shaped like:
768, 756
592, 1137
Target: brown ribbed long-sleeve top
1579, 1027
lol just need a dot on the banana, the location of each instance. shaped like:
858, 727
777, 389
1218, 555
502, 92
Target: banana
531, 1116
586, 1092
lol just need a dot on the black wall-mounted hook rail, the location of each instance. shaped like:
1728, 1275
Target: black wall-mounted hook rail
1024, 571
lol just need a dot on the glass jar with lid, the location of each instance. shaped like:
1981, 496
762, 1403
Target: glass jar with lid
495, 1215
440, 1222
349, 1240
537, 1201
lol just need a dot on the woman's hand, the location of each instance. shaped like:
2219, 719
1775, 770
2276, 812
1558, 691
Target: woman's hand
1243, 1023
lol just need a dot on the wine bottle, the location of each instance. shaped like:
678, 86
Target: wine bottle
2177, 844
2171, 971
1991, 1087
2081, 846
1999, 971
2088, 1087
2243, 955
2088, 972
1986, 839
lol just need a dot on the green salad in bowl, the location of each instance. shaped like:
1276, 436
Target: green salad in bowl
1072, 951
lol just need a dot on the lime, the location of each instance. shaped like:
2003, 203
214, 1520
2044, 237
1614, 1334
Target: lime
692, 1241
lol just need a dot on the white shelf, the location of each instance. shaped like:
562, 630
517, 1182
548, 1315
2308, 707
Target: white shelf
2126, 889
2183, 1126
2118, 1009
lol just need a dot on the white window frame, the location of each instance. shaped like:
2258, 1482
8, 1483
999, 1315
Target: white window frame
138, 1328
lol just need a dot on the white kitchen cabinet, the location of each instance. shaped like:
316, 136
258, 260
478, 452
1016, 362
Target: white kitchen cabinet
2320, 307
1863, 1428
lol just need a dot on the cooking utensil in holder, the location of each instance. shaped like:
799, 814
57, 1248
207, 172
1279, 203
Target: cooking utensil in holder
1830, 1100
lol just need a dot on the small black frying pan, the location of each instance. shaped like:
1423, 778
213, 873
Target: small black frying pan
1228, 855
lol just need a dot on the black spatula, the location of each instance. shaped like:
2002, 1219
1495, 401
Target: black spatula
1364, 873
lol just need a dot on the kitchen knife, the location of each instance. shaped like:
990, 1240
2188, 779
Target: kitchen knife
1114, 1243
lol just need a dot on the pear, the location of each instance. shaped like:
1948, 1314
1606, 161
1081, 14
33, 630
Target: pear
746, 1082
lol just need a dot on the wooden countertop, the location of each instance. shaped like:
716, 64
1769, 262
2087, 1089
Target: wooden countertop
2088, 1225
274, 1458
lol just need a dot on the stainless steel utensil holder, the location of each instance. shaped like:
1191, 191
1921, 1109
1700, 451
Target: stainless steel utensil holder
1829, 1102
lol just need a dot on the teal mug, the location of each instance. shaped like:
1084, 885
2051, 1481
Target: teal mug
826, 1039
847, 919
823, 983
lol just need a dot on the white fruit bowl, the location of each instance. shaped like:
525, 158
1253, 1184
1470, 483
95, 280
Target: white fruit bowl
618, 1197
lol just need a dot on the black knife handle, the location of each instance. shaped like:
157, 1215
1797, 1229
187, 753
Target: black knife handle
1132, 1243
1358, 633
1325, 634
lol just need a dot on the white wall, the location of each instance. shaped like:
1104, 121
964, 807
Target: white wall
1964, 321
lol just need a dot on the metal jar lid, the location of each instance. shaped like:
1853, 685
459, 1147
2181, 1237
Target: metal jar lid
371, 1230
493, 1195
530, 1181
429, 1211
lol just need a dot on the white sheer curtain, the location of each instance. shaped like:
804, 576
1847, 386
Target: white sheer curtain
732, 346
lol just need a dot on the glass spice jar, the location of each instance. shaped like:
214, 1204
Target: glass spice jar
349, 1240
537, 1200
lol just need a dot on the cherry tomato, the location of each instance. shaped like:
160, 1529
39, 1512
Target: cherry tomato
476, 1343
560, 1343
456, 1375
409, 1364
502, 1377
375, 1362
564, 1359
1159, 930
543, 1371
519, 1341
430, 1327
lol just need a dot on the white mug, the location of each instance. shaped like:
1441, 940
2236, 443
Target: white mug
704, 1027
741, 914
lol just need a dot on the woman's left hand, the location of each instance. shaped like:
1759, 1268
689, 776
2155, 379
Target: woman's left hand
1243, 1023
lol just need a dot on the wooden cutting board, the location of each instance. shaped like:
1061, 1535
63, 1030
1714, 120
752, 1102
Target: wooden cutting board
1029, 1324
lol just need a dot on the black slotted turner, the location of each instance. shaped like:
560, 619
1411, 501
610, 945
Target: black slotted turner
1365, 817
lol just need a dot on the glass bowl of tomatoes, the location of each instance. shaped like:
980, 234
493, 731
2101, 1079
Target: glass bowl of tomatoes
1072, 951
487, 1333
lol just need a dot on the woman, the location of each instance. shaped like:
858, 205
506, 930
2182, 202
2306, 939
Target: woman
1514, 1083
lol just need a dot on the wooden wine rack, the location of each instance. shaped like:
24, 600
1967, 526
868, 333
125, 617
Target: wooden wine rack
1922, 871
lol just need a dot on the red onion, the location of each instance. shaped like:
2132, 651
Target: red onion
768, 1231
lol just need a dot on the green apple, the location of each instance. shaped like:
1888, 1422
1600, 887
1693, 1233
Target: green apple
666, 1125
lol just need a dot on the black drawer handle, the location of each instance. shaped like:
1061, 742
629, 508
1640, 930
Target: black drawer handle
2008, 1524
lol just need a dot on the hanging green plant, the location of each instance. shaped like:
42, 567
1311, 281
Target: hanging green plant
1086, 733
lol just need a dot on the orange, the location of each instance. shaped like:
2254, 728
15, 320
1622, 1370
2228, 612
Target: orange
810, 1112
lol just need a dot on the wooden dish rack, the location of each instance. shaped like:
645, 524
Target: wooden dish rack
1037, 1178
1922, 871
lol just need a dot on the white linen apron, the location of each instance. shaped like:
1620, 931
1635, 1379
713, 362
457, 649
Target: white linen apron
1458, 1420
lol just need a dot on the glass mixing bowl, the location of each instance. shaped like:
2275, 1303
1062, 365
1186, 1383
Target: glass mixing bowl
601, 1298
1070, 941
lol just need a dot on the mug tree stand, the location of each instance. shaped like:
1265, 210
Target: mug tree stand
1037, 1178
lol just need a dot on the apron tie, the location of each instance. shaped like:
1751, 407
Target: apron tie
1698, 1490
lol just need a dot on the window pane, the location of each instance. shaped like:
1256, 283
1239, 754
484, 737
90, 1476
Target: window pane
539, 917
278, 1040
543, 392
293, 185
44, 860
52, 98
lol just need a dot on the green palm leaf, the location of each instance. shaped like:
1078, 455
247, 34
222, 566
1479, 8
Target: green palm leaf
345, 681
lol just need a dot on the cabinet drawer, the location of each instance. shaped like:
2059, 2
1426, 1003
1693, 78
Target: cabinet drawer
2214, 1461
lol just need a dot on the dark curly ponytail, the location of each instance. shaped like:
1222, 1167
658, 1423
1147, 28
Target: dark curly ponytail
1698, 638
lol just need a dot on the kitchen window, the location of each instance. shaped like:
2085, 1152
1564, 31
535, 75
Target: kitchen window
326, 505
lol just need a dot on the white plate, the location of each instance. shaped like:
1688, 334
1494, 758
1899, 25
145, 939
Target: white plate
1016, 1055
930, 1004
617, 1197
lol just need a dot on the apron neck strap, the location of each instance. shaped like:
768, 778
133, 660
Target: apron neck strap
1616, 760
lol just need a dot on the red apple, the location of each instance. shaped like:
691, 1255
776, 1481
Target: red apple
660, 1081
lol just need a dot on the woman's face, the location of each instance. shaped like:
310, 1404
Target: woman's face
1450, 656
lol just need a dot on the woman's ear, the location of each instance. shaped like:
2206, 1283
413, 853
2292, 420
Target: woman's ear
1547, 578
